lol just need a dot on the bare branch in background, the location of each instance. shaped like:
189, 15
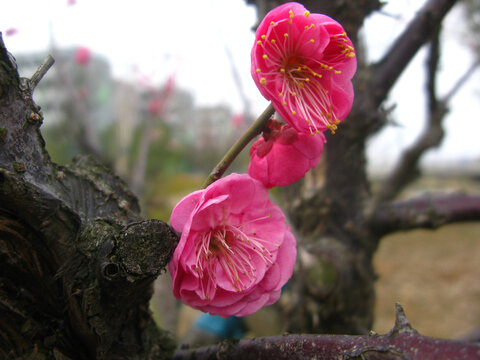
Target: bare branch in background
394, 62
407, 168
429, 211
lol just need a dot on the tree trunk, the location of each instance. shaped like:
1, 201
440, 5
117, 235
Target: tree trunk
77, 261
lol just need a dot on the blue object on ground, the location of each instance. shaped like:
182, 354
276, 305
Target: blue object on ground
224, 328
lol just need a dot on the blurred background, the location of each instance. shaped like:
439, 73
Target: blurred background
158, 90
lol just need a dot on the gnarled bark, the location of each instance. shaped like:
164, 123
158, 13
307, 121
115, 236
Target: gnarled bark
77, 261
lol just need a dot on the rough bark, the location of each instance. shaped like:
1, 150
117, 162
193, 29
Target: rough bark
77, 261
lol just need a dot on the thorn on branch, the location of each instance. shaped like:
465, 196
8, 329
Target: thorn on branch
40, 73
401, 322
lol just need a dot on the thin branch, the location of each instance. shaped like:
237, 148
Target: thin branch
252, 131
402, 342
388, 69
462, 80
41, 71
430, 211
407, 169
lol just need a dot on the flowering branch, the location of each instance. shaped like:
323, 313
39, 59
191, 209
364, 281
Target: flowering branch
239, 145
402, 342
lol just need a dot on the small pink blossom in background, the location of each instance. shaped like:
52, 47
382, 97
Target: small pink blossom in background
235, 252
83, 56
238, 120
283, 155
304, 64
159, 99
11, 31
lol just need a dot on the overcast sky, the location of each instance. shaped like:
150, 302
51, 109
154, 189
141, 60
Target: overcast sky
156, 38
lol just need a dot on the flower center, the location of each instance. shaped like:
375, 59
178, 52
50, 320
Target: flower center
228, 251
303, 92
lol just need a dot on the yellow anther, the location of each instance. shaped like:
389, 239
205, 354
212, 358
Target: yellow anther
259, 42
294, 112
350, 54
282, 70
263, 37
272, 23
337, 72
281, 94
284, 103
312, 40
286, 34
291, 14
306, 13
294, 94
273, 41
306, 27
264, 56
263, 81
258, 70
307, 79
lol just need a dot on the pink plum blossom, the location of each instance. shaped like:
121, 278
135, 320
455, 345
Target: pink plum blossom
283, 155
235, 252
304, 64
82, 56
11, 31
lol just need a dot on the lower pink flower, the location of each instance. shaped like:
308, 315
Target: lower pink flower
283, 155
235, 252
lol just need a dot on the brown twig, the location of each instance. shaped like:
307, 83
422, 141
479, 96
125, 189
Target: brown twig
41, 71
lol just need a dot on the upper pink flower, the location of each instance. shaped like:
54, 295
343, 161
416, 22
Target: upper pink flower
304, 64
283, 155
235, 252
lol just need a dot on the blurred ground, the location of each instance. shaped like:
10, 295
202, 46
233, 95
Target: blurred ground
435, 275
